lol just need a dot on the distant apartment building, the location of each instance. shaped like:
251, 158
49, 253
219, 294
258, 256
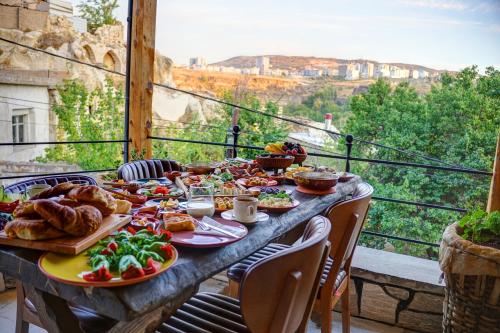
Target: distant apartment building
197, 63
353, 71
263, 64
422, 74
382, 70
312, 72
399, 73
342, 70
366, 70
250, 71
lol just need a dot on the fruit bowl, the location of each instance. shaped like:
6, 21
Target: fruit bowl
299, 158
274, 161
316, 180
201, 168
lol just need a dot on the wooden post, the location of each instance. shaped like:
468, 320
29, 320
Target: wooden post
494, 198
142, 76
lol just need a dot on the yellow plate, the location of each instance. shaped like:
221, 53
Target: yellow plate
68, 268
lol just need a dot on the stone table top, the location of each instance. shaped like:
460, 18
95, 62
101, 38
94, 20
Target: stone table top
172, 288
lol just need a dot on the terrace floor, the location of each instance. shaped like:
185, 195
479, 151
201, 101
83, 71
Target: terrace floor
216, 284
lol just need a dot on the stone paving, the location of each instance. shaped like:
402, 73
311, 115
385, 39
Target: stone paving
216, 284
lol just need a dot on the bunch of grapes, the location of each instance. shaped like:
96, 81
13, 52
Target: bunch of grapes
291, 148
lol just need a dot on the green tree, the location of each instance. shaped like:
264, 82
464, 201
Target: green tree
457, 122
256, 129
88, 116
315, 106
98, 13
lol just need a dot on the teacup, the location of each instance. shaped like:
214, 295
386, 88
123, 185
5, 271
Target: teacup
245, 209
36, 188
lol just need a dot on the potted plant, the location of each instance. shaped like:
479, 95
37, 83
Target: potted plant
469, 257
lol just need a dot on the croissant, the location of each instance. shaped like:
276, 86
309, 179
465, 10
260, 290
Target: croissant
94, 196
79, 221
32, 230
27, 209
61, 188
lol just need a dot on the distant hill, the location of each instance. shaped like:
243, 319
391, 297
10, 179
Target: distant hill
301, 62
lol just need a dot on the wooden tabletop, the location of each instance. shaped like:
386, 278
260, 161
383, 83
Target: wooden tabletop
169, 290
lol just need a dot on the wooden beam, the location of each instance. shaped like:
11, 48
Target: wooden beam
142, 76
494, 198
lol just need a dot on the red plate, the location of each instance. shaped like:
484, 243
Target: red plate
195, 240
243, 181
279, 210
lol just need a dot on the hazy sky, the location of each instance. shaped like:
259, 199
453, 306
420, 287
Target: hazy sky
442, 34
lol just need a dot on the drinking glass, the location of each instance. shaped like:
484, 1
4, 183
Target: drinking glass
201, 200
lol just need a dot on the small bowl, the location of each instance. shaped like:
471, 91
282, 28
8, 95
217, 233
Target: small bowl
200, 168
172, 175
316, 180
274, 161
153, 222
132, 187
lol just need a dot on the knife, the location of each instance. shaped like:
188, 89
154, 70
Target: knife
206, 218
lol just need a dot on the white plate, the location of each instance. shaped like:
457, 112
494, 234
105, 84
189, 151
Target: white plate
229, 215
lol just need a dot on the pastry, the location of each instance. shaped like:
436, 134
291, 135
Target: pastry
79, 221
25, 209
180, 226
94, 196
123, 207
32, 229
178, 222
59, 189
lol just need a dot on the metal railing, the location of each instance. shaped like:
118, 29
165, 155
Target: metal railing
348, 158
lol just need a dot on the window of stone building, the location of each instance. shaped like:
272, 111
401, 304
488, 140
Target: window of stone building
20, 125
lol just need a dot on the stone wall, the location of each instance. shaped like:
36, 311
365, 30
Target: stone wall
14, 16
396, 289
23, 168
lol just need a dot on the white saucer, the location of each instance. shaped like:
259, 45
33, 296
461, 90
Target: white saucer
229, 215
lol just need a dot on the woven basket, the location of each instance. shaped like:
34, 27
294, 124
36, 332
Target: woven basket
472, 293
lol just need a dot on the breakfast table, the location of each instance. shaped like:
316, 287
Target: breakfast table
143, 306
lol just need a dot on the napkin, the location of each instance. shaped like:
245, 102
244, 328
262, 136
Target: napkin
238, 231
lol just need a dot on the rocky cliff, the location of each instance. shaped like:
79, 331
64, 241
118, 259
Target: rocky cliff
105, 48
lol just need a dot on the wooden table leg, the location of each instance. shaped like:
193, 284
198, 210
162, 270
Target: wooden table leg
53, 311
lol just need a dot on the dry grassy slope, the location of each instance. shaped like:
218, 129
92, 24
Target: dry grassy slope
267, 88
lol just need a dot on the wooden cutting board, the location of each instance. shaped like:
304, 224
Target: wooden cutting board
70, 245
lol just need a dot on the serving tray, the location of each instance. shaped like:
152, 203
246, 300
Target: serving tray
70, 245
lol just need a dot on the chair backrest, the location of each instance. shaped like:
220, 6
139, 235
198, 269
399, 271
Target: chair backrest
347, 220
52, 181
277, 293
146, 169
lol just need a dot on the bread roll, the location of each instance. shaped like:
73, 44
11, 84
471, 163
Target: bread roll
25, 209
123, 206
94, 196
77, 221
55, 191
32, 230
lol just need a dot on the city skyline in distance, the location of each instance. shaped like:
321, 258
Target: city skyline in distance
440, 34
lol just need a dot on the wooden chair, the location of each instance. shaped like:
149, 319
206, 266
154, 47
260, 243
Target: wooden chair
282, 304
146, 169
347, 219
